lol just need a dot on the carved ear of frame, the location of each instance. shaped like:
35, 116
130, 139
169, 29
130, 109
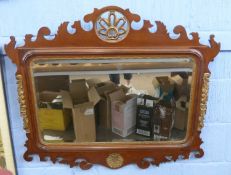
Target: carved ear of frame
113, 35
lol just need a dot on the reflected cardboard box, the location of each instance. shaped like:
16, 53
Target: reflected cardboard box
103, 108
123, 112
91, 82
182, 85
182, 97
53, 83
83, 101
52, 116
154, 118
180, 119
144, 116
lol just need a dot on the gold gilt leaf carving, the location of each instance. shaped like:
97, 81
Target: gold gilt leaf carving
204, 98
22, 102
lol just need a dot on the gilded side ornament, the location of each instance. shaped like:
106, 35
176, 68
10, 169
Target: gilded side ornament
115, 160
22, 102
204, 99
112, 26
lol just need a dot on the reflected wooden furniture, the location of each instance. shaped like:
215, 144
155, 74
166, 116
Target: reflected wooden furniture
106, 40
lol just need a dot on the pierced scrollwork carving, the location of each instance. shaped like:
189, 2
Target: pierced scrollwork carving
22, 102
173, 157
204, 98
112, 26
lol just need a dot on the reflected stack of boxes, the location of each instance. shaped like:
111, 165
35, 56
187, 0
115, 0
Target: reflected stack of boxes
73, 111
155, 114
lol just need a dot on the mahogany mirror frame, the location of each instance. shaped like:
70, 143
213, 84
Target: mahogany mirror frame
131, 42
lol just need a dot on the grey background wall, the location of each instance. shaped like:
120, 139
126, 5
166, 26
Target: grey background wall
20, 17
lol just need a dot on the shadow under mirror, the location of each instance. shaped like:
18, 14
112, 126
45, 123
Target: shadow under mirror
112, 100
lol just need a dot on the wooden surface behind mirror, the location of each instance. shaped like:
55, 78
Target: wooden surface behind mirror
112, 39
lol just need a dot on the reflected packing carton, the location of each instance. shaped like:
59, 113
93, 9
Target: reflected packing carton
144, 116
103, 107
83, 101
181, 119
154, 117
123, 113
53, 83
52, 117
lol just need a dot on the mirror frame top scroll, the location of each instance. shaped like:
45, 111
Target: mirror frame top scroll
112, 40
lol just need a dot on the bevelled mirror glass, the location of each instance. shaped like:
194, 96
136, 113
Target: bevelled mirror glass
113, 99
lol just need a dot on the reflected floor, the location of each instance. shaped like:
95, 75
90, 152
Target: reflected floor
106, 135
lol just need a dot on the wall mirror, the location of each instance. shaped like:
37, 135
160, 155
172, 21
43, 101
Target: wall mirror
143, 105
112, 95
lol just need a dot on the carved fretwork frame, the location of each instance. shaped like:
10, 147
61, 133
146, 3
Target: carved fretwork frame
113, 40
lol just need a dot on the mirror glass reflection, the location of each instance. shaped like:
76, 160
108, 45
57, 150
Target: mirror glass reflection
112, 100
